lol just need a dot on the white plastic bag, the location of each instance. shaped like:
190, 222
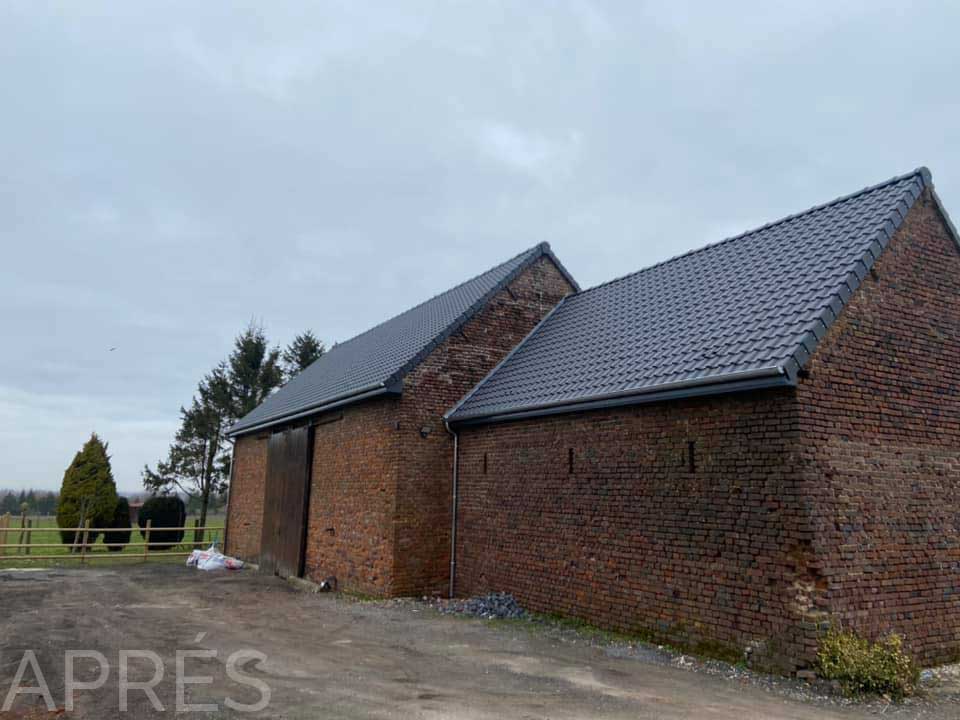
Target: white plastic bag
212, 559
215, 561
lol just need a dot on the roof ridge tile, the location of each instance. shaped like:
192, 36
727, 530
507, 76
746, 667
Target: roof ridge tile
922, 172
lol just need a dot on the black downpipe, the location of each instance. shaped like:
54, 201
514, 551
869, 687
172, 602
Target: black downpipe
453, 513
233, 462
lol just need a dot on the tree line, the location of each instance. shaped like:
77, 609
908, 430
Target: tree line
197, 464
44, 502
34, 502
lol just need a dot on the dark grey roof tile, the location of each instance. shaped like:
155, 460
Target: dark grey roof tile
753, 304
380, 357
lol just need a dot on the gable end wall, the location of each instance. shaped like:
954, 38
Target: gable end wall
379, 510
836, 501
880, 423
424, 495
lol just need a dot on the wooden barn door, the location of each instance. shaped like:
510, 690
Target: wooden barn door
285, 503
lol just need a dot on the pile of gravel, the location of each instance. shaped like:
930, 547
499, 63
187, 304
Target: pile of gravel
500, 606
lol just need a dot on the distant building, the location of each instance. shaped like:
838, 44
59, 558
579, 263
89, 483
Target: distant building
135, 506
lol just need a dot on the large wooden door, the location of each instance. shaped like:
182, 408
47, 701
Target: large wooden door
285, 502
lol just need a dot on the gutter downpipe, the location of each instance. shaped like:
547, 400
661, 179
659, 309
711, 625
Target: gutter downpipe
233, 464
453, 510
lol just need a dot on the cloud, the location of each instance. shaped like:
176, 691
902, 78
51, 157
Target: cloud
42, 432
173, 170
532, 153
274, 71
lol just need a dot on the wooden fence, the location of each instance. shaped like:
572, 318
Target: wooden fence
83, 550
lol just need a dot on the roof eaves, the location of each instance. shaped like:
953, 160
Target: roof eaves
763, 378
536, 252
365, 393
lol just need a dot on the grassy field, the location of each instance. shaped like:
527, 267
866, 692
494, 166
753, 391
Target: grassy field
96, 553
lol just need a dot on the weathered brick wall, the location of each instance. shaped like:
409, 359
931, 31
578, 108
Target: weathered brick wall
625, 536
837, 500
353, 497
245, 510
446, 375
379, 513
881, 431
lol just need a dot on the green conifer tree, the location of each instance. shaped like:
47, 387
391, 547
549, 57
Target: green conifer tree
301, 353
253, 370
88, 491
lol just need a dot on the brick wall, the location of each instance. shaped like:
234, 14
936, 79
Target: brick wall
598, 516
245, 510
436, 385
379, 512
840, 499
881, 432
353, 497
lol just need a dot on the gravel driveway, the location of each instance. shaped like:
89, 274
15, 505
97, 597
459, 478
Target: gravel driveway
332, 657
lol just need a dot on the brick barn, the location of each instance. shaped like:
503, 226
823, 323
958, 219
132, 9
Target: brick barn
346, 470
736, 446
726, 450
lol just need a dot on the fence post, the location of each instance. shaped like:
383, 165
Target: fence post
4, 524
76, 533
23, 525
146, 540
196, 524
29, 537
86, 536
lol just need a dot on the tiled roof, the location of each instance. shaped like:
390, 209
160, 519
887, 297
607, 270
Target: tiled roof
376, 361
744, 312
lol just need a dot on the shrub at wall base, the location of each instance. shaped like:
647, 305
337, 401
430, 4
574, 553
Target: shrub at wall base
862, 667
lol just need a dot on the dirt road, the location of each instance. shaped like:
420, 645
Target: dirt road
333, 658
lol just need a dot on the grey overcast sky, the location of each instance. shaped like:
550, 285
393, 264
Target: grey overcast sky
170, 170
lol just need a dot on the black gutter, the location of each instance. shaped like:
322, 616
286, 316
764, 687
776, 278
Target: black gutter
363, 394
772, 379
